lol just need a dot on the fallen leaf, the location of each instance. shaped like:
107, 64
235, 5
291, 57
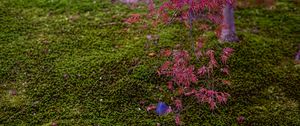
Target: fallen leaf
226, 82
151, 54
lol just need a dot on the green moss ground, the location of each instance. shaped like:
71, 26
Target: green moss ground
70, 64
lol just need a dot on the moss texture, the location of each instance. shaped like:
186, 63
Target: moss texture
75, 62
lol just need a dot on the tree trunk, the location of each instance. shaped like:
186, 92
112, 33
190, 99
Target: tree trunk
297, 57
228, 33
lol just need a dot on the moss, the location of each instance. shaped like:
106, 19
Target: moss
72, 63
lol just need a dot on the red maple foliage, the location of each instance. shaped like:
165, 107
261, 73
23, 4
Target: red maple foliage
189, 10
185, 78
133, 18
183, 75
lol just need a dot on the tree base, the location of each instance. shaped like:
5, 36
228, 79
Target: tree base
297, 57
231, 37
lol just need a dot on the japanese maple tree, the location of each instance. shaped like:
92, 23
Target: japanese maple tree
220, 12
187, 80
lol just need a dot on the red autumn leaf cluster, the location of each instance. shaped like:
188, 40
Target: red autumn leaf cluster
187, 10
186, 79
134, 18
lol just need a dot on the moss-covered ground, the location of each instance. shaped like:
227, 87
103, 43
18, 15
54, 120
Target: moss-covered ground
77, 63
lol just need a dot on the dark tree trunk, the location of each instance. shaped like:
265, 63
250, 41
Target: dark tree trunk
297, 57
228, 33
